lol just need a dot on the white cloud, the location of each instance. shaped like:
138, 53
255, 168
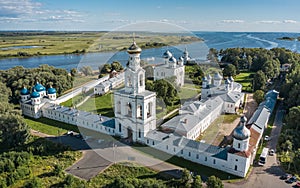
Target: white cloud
164, 20
289, 21
232, 21
16, 8
269, 22
29, 11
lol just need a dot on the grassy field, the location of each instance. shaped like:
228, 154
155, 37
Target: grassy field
202, 170
245, 78
49, 126
211, 133
99, 104
80, 42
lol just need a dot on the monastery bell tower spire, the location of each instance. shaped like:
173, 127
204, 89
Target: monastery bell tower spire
134, 74
134, 52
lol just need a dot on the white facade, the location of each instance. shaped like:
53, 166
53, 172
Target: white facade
135, 107
109, 84
170, 68
31, 103
79, 118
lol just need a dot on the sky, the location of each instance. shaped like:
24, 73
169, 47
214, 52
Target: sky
193, 15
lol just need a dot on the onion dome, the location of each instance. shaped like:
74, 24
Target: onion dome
167, 54
39, 87
185, 51
24, 91
172, 60
241, 132
134, 48
217, 76
35, 94
231, 79
204, 78
51, 90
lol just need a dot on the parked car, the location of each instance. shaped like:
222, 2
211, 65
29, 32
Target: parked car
271, 152
70, 133
291, 179
267, 138
285, 176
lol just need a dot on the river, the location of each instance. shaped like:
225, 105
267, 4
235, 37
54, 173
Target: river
197, 50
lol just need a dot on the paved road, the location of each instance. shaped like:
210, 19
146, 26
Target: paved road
268, 175
103, 154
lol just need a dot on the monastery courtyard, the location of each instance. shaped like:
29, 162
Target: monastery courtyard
225, 124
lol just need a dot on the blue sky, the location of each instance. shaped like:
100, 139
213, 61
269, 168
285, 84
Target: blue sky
200, 15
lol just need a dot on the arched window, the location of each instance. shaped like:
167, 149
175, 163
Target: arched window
140, 134
120, 127
139, 111
141, 80
239, 145
149, 110
119, 107
129, 110
129, 81
235, 167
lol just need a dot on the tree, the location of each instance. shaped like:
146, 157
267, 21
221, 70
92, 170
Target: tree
214, 182
105, 69
258, 96
73, 72
293, 117
229, 70
116, 66
186, 178
197, 183
166, 91
259, 81
86, 70
13, 130
33, 183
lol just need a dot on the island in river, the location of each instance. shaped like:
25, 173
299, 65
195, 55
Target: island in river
37, 43
289, 38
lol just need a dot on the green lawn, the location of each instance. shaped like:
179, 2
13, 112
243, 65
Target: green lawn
99, 104
245, 78
202, 170
211, 135
49, 126
187, 92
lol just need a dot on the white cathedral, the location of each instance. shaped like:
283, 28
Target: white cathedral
135, 118
171, 68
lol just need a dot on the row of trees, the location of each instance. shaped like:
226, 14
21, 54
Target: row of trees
289, 141
266, 63
15, 79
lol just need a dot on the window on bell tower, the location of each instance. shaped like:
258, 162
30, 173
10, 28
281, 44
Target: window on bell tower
141, 79
139, 111
129, 108
119, 107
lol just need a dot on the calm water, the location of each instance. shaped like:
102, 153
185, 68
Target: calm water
216, 40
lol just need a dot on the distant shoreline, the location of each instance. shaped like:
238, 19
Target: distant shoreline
77, 43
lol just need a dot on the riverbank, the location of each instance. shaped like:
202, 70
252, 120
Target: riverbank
30, 44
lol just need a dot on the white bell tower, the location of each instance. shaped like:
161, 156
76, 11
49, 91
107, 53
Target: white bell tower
135, 107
